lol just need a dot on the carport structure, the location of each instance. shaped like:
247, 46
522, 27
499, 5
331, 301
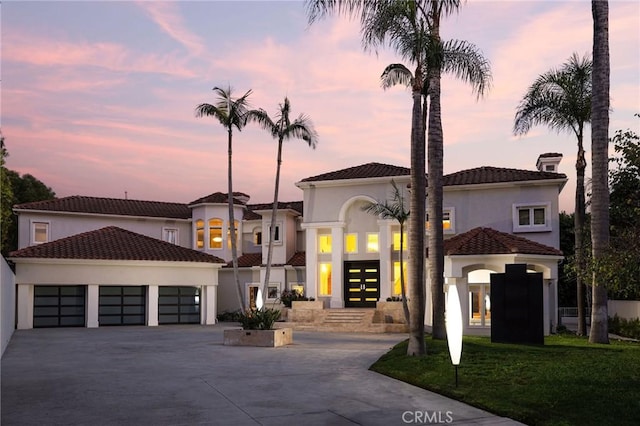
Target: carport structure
112, 276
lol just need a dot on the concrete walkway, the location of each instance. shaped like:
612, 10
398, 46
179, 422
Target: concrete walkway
183, 375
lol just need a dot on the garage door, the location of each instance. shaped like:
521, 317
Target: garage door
122, 305
59, 306
178, 305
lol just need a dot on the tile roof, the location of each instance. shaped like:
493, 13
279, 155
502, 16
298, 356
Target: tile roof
113, 243
282, 205
489, 241
249, 260
220, 198
363, 171
481, 175
550, 155
114, 206
298, 259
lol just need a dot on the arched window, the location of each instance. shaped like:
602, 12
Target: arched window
215, 233
199, 233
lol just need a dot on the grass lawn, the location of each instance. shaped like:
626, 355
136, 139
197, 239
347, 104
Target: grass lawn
565, 382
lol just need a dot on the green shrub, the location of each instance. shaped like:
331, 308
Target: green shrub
259, 319
227, 316
289, 296
624, 327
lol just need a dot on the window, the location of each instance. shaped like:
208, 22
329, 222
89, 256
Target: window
397, 286
199, 233
325, 279
215, 233
550, 168
273, 291
480, 305
351, 243
235, 222
372, 243
257, 238
531, 218
448, 221
297, 287
277, 238
396, 241
170, 235
40, 232
324, 243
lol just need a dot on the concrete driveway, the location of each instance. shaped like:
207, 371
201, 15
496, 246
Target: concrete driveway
183, 375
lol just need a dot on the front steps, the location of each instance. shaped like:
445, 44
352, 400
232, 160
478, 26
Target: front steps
359, 320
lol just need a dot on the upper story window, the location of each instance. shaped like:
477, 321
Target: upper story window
351, 243
199, 233
215, 233
373, 246
277, 238
324, 243
257, 237
235, 222
170, 235
39, 232
534, 217
448, 221
396, 241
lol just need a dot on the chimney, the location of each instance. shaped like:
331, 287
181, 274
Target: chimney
549, 162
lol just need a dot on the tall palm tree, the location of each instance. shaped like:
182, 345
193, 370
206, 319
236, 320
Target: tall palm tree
599, 165
561, 99
282, 129
230, 112
394, 210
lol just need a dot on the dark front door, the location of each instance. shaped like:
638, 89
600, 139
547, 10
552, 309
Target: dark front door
361, 284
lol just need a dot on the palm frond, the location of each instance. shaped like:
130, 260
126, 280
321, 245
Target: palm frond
465, 61
396, 74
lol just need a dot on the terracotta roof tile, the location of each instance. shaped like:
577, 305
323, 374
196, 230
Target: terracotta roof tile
481, 175
113, 206
247, 260
489, 241
282, 205
113, 243
363, 171
298, 259
221, 198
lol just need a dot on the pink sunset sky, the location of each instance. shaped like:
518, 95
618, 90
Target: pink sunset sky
98, 98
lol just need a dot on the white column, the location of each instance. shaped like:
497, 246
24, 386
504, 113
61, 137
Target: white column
152, 305
93, 305
386, 265
311, 280
337, 285
208, 301
25, 306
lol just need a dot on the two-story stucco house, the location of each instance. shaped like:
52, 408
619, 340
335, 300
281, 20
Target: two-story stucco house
90, 261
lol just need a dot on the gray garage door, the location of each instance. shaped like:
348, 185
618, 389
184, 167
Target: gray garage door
178, 305
59, 306
122, 305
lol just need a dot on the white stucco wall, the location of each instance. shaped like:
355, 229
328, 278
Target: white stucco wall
7, 304
218, 211
628, 309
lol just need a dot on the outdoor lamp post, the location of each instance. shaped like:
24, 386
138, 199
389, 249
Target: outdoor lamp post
453, 325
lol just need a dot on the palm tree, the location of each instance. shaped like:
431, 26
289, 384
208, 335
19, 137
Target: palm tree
599, 165
394, 210
561, 99
282, 129
409, 27
230, 112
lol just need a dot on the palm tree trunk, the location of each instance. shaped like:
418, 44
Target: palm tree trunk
416, 226
435, 194
274, 211
232, 225
599, 166
578, 226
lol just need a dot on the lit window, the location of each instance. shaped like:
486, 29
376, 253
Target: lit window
215, 233
324, 243
325, 279
229, 234
257, 238
351, 243
40, 232
372, 243
397, 288
396, 241
298, 287
200, 233
448, 221
531, 218
170, 235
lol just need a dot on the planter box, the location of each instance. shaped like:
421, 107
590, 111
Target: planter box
302, 304
389, 313
262, 338
305, 311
